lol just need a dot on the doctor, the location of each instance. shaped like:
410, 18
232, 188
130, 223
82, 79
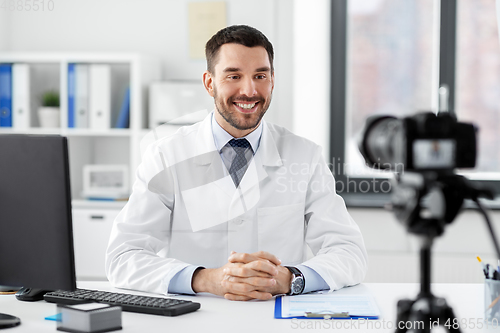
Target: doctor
233, 205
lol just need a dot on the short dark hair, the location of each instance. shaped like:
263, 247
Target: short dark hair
238, 34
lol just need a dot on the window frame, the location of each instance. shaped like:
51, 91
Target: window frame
352, 189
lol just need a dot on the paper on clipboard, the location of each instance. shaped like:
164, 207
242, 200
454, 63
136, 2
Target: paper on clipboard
357, 306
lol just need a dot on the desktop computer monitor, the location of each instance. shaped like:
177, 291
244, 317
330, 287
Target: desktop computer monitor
36, 246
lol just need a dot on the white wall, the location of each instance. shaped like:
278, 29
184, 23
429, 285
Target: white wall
3, 30
154, 27
282, 107
311, 90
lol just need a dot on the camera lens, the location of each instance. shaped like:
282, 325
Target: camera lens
382, 142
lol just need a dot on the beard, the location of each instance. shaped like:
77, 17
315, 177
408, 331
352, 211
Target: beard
238, 120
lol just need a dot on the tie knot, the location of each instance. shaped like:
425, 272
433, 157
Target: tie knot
240, 143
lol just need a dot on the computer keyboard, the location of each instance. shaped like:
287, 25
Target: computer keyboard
131, 303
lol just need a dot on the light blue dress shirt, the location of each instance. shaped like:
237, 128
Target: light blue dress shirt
181, 283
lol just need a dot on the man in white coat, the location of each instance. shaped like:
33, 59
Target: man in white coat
233, 205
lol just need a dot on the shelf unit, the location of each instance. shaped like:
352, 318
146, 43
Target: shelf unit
49, 71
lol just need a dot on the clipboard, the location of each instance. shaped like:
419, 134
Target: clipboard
319, 299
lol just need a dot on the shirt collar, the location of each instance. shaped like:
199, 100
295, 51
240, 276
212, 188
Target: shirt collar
221, 137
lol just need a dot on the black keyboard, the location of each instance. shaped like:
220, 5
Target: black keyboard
131, 303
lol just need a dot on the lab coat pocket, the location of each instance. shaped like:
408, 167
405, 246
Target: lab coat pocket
281, 232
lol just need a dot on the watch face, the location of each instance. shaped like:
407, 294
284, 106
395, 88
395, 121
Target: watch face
297, 285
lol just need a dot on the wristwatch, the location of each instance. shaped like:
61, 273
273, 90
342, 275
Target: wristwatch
298, 282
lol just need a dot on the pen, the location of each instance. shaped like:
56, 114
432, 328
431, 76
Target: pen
494, 307
494, 302
496, 272
493, 274
485, 269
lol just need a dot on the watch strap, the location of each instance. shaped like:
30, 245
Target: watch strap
294, 270
295, 273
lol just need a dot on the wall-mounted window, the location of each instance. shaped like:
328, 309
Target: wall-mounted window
390, 57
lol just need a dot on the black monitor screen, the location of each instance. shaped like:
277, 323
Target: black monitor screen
36, 242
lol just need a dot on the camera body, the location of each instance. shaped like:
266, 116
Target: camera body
423, 142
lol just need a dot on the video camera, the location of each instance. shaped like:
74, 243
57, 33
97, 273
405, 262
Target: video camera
424, 150
421, 142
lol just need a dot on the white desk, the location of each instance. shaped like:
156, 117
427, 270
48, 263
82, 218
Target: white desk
220, 315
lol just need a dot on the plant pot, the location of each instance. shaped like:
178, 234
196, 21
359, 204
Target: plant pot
49, 117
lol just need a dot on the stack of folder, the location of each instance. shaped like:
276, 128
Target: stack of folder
89, 96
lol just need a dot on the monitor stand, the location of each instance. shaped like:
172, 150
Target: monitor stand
7, 321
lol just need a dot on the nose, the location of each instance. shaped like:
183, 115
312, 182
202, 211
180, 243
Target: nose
247, 87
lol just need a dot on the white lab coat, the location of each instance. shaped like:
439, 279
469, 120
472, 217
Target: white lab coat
185, 209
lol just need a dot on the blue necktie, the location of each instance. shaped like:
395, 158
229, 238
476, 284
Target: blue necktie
239, 164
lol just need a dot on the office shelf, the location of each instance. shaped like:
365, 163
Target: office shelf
49, 71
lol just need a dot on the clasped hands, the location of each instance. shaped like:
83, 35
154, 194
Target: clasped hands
245, 276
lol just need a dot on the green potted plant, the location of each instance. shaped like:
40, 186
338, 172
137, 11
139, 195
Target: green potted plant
49, 113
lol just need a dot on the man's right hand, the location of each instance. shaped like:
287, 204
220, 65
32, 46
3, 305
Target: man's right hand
260, 273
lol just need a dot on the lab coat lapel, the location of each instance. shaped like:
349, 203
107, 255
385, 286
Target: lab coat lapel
214, 166
267, 155
208, 204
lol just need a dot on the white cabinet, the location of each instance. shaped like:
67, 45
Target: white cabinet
91, 230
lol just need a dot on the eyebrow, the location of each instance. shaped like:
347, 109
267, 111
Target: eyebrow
236, 69
231, 69
263, 69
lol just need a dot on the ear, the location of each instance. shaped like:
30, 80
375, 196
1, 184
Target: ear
208, 82
272, 78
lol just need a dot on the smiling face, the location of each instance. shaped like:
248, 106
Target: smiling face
242, 86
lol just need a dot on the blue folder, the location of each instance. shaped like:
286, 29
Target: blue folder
5, 95
71, 95
124, 115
